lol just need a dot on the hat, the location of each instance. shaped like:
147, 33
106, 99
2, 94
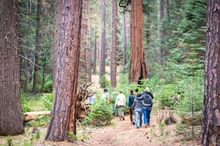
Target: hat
147, 89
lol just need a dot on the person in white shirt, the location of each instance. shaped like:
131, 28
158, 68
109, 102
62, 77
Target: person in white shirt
120, 104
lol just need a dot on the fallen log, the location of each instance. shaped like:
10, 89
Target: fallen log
190, 120
29, 116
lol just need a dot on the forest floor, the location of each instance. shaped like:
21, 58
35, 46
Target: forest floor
119, 133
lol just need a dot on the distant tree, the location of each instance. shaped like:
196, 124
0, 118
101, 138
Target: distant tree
95, 53
124, 42
63, 119
114, 44
138, 69
211, 112
102, 43
11, 122
85, 40
160, 32
37, 46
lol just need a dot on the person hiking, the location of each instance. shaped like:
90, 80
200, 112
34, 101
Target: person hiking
137, 105
131, 99
147, 106
136, 92
120, 104
105, 96
92, 99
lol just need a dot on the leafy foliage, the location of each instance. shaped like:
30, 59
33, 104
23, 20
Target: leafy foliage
104, 82
100, 114
47, 100
25, 106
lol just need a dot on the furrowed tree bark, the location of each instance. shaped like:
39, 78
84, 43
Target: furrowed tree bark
66, 76
114, 44
37, 46
102, 43
11, 122
211, 112
124, 42
138, 69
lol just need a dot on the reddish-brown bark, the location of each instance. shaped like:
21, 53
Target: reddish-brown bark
211, 112
137, 64
63, 118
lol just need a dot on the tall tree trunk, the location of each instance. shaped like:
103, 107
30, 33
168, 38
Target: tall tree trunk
114, 44
37, 47
102, 43
11, 122
211, 112
84, 73
88, 65
160, 33
88, 57
124, 42
95, 54
138, 69
89, 46
66, 76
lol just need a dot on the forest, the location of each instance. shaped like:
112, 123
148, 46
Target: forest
109, 72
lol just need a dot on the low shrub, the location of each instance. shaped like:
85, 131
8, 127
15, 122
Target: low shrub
100, 114
104, 82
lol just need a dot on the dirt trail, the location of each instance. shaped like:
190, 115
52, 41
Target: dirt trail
121, 133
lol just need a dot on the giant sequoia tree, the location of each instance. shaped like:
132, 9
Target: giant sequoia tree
211, 113
11, 122
66, 73
137, 65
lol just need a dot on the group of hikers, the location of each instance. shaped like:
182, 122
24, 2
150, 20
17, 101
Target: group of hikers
139, 104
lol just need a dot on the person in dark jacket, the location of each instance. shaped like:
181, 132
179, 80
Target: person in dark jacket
131, 99
147, 106
137, 105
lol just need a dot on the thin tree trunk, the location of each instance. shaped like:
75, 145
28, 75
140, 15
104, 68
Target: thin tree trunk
37, 47
63, 119
211, 112
95, 54
114, 44
89, 46
124, 42
11, 122
85, 42
138, 69
102, 43
43, 75
160, 34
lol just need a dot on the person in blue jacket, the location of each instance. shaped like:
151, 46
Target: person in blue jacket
137, 105
131, 99
147, 106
